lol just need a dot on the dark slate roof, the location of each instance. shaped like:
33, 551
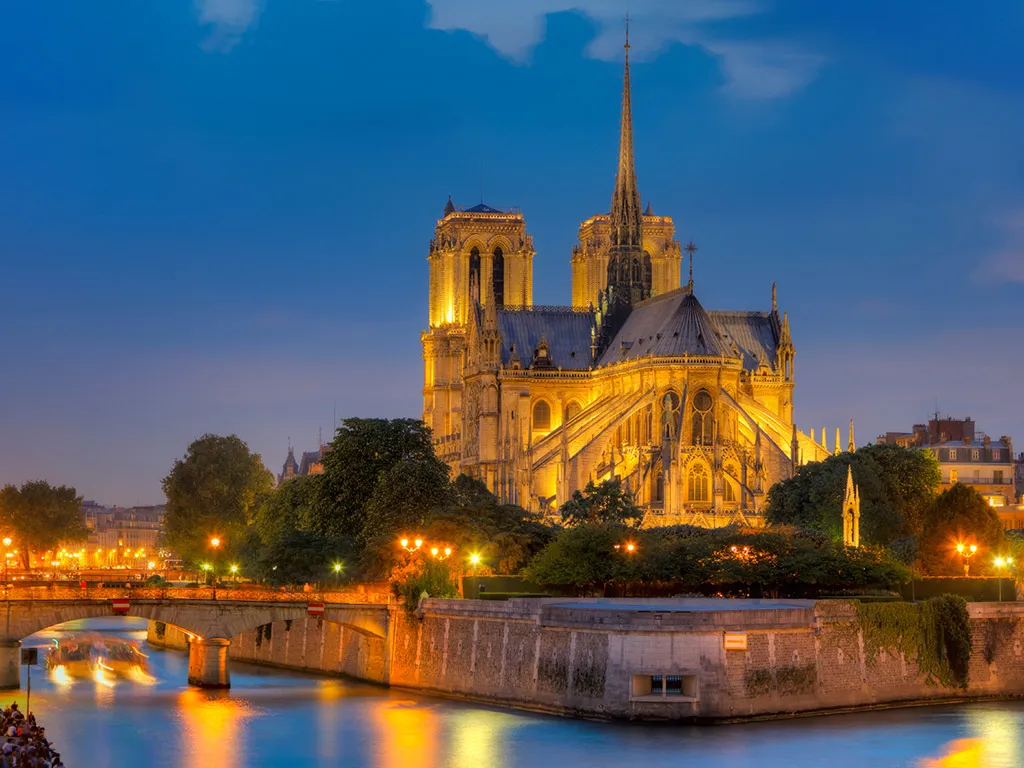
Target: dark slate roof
566, 330
675, 324
481, 208
751, 332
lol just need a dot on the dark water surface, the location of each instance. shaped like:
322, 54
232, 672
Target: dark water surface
274, 718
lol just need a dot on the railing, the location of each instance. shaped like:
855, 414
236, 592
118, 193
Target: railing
367, 594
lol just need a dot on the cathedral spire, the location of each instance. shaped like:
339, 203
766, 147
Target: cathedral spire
626, 213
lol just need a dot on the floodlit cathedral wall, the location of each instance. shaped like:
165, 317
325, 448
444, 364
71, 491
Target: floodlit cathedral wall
691, 409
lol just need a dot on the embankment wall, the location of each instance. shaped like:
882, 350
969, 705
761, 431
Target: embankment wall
599, 658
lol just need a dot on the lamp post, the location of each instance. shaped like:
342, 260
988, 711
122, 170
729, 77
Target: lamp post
439, 554
234, 574
215, 543
338, 567
410, 546
1002, 562
7, 543
967, 552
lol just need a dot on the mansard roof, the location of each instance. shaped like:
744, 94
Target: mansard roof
565, 329
676, 324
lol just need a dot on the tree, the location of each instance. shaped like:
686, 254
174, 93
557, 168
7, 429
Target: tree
959, 515
288, 509
896, 486
362, 452
39, 516
213, 491
581, 556
298, 557
606, 502
406, 494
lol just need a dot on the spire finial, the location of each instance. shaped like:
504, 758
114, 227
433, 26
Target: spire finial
690, 250
626, 213
775, 300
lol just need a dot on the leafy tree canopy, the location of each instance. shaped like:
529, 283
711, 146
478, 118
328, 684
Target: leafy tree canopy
606, 502
213, 491
39, 517
298, 557
897, 486
362, 452
288, 509
960, 515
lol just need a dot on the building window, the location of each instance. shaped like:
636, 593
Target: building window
952, 454
996, 456
670, 415
703, 419
953, 478
698, 483
974, 455
541, 416
659, 486
977, 475
678, 687
997, 477
730, 494
498, 276
572, 410
474, 273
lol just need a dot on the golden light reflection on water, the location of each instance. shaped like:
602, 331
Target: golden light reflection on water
477, 738
212, 729
407, 734
994, 743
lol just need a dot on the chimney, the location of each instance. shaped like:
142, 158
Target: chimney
988, 441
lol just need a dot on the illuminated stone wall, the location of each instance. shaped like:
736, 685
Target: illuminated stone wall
577, 659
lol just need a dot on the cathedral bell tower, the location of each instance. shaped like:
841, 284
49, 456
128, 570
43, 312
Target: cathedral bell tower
478, 256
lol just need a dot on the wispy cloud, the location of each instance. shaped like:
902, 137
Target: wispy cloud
752, 68
1006, 263
228, 20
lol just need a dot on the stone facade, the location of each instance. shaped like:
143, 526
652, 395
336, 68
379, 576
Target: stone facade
691, 409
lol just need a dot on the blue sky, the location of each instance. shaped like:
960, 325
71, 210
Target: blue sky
214, 216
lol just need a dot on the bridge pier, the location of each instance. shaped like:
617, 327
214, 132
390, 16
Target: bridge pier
208, 662
10, 664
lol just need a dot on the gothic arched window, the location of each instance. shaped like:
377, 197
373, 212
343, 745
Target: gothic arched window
637, 276
659, 486
498, 277
572, 410
703, 419
698, 483
474, 273
541, 416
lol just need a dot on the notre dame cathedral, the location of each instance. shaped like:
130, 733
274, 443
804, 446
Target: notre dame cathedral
692, 409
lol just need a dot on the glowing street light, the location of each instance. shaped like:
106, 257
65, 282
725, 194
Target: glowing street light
439, 554
629, 548
967, 552
338, 568
1002, 562
416, 544
7, 542
234, 574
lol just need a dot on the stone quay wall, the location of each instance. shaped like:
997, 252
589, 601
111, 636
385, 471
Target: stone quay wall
615, 659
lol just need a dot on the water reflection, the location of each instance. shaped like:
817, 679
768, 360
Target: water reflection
478, 736
212, 726
407, 734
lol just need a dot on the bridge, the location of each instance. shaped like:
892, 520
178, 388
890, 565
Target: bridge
209, 617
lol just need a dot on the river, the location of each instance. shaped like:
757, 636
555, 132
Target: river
275, 718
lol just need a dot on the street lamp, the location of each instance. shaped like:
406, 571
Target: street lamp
967, 552
416, 544
7, 543
338, 567
215, 543
474, 560
1002, 562
234, 574
629, 547
438, 554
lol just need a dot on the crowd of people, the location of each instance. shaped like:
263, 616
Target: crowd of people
23, 742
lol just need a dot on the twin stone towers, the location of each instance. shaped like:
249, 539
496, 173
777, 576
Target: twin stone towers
692, 409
